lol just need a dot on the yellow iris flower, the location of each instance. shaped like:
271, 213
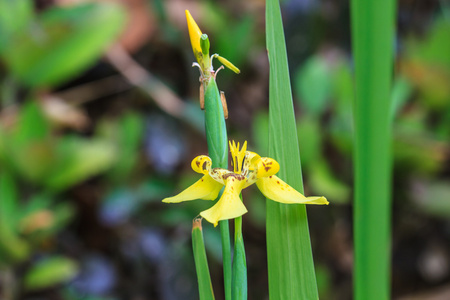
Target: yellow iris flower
249, 168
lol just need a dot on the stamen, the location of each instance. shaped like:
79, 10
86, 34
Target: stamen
220, 68
202, 76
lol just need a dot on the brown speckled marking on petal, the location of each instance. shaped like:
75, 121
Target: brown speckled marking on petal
234, 175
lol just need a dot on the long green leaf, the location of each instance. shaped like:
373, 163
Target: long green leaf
372, 37
289, 255
201, 263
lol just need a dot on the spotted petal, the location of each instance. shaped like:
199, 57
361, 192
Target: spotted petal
201, 164
277, 190
206, 189
230, 204
266, 167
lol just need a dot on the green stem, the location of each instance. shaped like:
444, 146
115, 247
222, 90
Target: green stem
226, 257
216, 136
373, 37
239, 278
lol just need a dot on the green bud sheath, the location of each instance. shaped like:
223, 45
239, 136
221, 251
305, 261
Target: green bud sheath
216, 131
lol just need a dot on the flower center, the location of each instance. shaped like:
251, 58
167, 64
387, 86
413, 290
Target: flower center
238, 157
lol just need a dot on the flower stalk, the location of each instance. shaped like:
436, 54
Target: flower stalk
216, 132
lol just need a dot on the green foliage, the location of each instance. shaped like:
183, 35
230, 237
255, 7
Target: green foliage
237, 39
436, 46
14, 16
427, 63
291, 271
25, 223
60, 42
13, 249
313, 85
54, 162
127, 135
78, 160
49, 272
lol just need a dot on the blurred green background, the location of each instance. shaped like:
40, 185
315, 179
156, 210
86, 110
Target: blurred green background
99, 120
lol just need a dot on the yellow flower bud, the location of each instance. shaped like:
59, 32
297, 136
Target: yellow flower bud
194, 33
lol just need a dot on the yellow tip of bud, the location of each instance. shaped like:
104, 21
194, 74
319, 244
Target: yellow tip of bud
228, 64
194, 33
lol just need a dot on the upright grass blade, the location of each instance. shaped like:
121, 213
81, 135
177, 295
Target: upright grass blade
205, 289
217, 139
372, 39
289, 255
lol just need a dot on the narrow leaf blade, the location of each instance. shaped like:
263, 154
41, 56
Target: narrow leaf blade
290, 262
201, 263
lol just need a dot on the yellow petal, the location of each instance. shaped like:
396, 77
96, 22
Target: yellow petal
220, 175
195, 34
228, 64
201, 164
230, 204
253, 157
206, 189
277, 190
266, 167
251, 179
